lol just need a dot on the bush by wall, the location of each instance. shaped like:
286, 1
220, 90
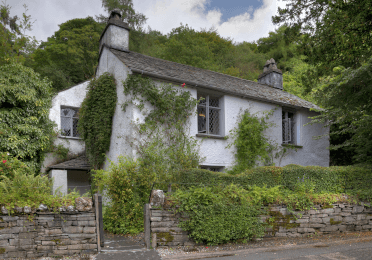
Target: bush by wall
354, 180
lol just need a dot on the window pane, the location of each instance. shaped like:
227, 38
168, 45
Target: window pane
74, 126
66, 123
202, 120
214, 121
67, 112
203, 97
214, 102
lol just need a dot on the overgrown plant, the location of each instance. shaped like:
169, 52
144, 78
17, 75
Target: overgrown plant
162, 140
95, 118
127, 185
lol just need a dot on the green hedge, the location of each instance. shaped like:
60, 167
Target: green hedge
334, 179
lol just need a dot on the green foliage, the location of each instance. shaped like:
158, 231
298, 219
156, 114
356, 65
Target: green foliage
70, 55
346, 99
127, 186
135, 20
353, 180
95, 118
250, 142
25, 129
218, 215
24, 188
14, 43
162, 140
10, 164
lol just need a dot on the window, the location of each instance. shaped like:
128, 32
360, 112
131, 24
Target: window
212, 168
209, 115
69, 120
288, 125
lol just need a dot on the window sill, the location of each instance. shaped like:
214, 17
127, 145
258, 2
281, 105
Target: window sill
211, 136
292, 145
69, 137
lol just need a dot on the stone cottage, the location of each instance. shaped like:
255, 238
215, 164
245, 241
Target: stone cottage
225, 98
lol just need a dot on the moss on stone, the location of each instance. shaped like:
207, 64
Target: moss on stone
333, 222
279, 220
327, 207
2, 250
164, 237
57, 241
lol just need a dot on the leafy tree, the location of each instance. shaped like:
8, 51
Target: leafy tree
14, 43
346, 96
129, 15
337, 32
25, 128
70, 56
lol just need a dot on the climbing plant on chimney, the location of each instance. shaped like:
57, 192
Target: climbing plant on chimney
95, 118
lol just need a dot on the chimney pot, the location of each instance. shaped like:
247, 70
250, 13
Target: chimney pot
271, 76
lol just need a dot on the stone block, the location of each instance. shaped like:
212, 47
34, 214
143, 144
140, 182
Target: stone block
327, 211
280, 234
321, 215
162, 224
72, 229
80, 236
45, 248
304, 225
326, 220
367, 227
302, 220
348, 219
358, 228
10, 218
358, 209
361, 216
345, 214
54, 231
6, 236
317, 225
337, 210
315, 220
83, 204
26, 235
341, 205
4, 242
342, 228
331, 228
362, 222
306, 230
17, 254
89, 230
48, 243
313, 212
156, 219
158, 230
293, 235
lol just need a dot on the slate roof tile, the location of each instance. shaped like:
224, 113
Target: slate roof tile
79, 163
214, 80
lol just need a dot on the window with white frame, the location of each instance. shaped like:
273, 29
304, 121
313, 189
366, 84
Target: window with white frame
69, 121
288, 127
209, 115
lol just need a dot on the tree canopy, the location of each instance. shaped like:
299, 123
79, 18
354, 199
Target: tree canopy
70, 56
25, 128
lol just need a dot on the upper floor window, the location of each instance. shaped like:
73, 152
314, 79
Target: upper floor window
209, 115
288, 125
69, 121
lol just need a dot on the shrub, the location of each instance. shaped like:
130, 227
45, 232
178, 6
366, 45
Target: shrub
10, 164
127, 186
28, 189
218, 215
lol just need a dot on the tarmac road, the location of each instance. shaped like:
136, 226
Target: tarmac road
343, 251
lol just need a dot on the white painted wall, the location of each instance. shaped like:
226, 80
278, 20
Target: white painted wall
59, 180
72, 97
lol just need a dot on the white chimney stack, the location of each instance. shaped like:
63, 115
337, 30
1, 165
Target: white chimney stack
116, 33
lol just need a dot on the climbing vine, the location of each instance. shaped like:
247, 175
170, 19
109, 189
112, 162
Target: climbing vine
162, 140
95, 118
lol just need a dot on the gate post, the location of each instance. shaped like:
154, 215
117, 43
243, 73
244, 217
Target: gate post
99, 220
146, 217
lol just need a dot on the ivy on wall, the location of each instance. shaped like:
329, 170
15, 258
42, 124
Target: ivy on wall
162, 140
95, 118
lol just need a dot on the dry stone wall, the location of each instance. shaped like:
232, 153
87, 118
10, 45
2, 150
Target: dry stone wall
336, 218
46, 233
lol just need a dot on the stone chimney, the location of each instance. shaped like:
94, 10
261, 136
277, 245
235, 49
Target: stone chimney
271, 76
116, 33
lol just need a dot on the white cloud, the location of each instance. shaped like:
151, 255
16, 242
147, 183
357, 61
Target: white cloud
163, 15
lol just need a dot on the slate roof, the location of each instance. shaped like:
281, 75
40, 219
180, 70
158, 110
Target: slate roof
79, 163
209, 79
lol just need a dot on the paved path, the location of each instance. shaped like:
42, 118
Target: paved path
123, 248
339, 250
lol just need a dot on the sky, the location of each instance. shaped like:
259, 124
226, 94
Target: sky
240, 20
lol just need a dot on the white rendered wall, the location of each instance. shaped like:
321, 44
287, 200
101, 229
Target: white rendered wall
59, 180
72, 97
121, 122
